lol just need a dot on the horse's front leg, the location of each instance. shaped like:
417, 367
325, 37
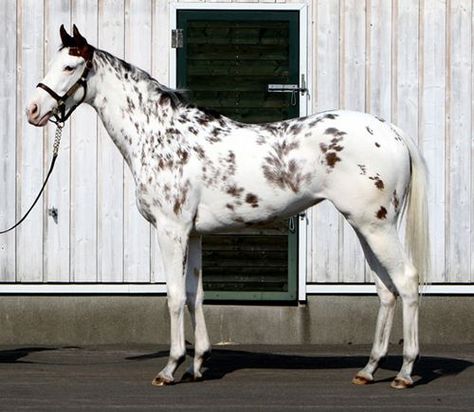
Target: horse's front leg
194, 299
173, 243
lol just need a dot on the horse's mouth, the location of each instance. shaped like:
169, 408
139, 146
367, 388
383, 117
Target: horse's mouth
43, 121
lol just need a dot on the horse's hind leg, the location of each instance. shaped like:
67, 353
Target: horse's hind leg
194, 298
384, 318
384, 242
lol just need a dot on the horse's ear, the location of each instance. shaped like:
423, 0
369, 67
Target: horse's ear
78, 38
67, 40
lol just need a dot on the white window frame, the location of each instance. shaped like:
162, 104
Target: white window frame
160, 289
369, 289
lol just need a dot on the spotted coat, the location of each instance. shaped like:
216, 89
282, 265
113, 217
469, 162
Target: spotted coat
216, 172
195, 169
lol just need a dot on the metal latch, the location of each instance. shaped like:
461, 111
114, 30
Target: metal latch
177, 38
294, 89
283, 88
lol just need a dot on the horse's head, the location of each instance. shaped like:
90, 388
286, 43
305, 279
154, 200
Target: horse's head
64, 87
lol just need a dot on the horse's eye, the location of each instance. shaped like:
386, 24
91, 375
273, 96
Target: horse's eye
68, 69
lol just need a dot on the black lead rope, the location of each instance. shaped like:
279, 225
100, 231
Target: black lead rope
60, 116
57, 140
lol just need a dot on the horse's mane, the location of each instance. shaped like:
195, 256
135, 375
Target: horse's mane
176, 96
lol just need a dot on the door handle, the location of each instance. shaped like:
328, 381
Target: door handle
294, 89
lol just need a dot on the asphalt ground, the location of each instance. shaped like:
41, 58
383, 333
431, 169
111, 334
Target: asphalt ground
238, 377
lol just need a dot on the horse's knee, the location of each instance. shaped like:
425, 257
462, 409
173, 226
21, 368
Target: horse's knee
387, 298
176, 305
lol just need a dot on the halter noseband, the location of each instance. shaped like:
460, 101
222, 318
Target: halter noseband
60, 111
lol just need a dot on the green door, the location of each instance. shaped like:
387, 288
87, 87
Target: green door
226, 61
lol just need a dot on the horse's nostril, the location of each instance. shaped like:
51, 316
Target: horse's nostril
32, 111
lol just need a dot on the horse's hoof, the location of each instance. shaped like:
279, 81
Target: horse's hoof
161, 381
361, 380
401, 383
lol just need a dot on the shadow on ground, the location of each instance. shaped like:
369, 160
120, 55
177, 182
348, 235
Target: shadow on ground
225, 361
228, 360
16, 355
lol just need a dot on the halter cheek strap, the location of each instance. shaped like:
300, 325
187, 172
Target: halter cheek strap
60, 111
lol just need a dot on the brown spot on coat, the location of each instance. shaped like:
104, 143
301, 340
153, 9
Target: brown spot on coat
395, 200
180, 199
330, 151
203, 120
252, 199
378, 182
381, 213
200, 151
295, 129
335, 146
334, 131
234, 191
282, 173
183, 156
331, 159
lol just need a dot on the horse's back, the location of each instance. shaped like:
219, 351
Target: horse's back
262, 171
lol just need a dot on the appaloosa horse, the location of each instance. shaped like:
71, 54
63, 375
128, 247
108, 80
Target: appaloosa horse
199, 172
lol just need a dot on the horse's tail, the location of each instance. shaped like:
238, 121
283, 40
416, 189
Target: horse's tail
416, 209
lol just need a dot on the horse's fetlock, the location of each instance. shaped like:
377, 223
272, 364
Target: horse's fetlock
410, 355
206, 354
180, 359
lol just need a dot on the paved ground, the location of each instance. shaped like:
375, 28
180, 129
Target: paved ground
238, 378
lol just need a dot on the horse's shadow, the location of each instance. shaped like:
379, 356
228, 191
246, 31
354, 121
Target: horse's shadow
225, 361
17, 355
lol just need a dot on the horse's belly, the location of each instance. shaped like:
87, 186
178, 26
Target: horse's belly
217, 216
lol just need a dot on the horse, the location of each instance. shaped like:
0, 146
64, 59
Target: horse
197, 172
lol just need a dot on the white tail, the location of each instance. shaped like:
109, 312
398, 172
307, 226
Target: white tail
416, 208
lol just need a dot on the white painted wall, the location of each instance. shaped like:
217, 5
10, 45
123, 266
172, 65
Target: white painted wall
408, 61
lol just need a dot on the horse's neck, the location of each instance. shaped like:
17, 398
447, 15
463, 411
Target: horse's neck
122, 100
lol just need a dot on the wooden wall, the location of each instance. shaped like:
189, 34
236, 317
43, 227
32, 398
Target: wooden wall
99, 234
409, 61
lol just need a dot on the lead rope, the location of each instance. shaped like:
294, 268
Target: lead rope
57, 141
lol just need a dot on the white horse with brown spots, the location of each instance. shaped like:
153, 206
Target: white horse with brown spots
198, 172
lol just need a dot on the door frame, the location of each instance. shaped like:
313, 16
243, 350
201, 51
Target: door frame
305, 59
